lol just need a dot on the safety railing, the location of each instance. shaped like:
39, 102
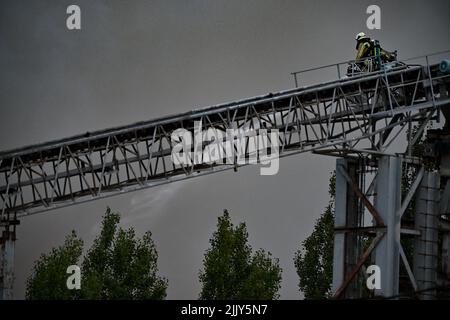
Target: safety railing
353, 67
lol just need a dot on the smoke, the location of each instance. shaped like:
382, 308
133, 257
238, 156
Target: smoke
145, 206
151, 203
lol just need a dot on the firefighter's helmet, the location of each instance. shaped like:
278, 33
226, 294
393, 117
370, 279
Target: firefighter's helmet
361, 36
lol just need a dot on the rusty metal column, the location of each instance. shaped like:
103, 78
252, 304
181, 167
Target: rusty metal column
339, 222
7, 243
345, 254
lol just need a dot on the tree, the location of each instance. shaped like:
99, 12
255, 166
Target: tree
231, 272
117, 266
96, 266
314, 261
48, 280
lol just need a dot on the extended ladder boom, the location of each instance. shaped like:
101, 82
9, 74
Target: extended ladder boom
351, 115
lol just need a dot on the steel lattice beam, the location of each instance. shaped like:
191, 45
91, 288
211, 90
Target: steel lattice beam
350, 115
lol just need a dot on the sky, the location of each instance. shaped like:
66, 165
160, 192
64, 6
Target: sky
138, 60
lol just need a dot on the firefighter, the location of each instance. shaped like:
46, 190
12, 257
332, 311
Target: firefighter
366, 48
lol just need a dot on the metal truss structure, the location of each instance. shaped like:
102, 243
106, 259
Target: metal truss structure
348, 116
351, 116
391, 214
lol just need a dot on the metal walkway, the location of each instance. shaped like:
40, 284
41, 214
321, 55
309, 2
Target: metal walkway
347, 116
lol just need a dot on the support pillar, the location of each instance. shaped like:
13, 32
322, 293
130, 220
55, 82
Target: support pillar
7, 244
345, 254
426, 245
387, 203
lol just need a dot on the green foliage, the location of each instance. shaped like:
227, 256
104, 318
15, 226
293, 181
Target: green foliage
231, 272
96, 276
314, 261
48, 280
263, 281
117, 266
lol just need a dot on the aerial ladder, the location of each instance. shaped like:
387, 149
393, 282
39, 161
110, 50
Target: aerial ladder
357, 118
